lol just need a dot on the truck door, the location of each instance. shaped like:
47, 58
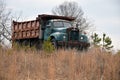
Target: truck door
47, 30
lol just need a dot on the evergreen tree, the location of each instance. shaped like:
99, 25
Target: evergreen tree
96, 39
107, 42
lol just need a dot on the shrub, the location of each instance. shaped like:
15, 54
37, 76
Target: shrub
48, 47
19, 47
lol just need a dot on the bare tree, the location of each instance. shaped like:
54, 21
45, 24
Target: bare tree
6, 18
72, 9
5, 21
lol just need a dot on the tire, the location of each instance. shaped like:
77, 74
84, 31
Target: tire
54, 43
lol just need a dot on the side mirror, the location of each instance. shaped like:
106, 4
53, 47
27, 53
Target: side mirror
48, 26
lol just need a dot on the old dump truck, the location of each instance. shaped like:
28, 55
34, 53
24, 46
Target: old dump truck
58, 28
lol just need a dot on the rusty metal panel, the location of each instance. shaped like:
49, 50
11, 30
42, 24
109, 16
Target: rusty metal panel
15, 27
28, 29
29, 25
24, 34
15, 35
24, 26
37, 33
19, 35
28, 34
20, 26
33, 33
33, 24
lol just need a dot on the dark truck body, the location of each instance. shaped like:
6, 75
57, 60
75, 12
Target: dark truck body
58, 28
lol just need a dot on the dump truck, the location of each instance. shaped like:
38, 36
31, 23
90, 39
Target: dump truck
59, 29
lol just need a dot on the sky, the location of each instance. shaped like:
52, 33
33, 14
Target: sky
104, 14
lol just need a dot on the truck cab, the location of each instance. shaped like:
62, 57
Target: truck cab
63, 33
56, 29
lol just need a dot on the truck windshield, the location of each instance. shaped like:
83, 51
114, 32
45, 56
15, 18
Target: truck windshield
58, 24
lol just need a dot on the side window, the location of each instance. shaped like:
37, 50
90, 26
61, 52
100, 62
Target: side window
48, 24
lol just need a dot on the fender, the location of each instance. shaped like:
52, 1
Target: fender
59, 36
83, 38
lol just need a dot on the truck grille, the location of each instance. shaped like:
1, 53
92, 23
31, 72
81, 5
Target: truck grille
73, 34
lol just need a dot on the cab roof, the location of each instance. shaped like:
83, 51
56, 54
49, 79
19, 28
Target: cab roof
49, 17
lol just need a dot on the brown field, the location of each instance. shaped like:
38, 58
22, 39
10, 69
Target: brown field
18, 64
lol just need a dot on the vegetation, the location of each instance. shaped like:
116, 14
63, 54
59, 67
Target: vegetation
96, 39
105, 42
48, 47
24, 63
62, 65
5, 22
6, 17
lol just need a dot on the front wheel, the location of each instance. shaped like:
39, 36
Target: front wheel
54, 43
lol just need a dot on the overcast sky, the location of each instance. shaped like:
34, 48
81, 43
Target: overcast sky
104, 14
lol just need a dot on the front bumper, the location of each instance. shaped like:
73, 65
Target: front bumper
74, 44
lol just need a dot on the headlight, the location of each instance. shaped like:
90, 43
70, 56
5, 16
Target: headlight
81, 38
64, 37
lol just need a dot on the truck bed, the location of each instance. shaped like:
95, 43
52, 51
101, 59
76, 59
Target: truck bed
25, 30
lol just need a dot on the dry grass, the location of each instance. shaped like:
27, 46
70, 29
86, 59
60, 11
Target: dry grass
61, 65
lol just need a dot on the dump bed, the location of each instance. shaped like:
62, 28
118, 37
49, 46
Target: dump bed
25, 30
